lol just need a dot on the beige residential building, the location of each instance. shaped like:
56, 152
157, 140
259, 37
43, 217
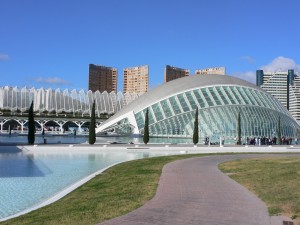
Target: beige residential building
212, 70
136, 79
102, 78
172, 73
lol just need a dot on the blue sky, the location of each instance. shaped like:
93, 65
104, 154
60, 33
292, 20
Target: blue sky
50, 43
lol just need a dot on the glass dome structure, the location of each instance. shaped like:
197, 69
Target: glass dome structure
219, 99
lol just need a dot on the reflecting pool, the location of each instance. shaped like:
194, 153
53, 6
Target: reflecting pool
28, 179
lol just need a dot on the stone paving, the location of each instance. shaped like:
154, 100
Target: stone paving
194, 192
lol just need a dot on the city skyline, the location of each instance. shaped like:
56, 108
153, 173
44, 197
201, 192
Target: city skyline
51, 44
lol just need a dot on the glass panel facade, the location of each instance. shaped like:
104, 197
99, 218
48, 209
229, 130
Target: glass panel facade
207, 97
216, 96
140, 119
223, 95
219, 107
183, 103
230, 96
200, 99
191, 100
157, 112
174, 105
166, 108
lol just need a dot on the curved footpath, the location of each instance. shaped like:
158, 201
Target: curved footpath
195, 192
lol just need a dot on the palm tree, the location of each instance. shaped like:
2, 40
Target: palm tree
196, 129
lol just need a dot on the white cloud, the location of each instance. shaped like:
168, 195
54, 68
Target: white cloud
50, 80
281, 64
3, 57
248, 59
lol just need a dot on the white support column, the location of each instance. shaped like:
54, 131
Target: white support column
42, 123
79, 124
2, 122
60, 123
22, 122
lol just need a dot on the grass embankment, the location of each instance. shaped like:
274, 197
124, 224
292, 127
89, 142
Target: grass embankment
115, 192
276, 181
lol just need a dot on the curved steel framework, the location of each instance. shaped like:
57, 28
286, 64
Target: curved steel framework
16, 99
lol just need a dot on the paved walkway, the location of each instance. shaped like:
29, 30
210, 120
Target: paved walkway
194, 192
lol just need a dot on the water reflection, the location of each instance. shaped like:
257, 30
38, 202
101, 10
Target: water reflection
17, 164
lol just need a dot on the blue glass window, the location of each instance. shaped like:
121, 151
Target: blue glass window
174, 105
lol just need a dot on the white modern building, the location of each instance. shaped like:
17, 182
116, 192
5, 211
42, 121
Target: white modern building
14, 99
219, 99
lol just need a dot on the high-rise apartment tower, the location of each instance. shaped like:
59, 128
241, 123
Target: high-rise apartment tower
285, 86
102, 78
172, 73
136, 79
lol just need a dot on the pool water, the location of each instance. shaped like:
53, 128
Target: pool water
29, 179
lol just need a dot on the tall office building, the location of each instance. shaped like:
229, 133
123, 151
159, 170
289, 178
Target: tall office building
284, 86
136, 79
102, 78
212, 70
172, 73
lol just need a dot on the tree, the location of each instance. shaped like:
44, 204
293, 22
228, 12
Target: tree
239, 129
31, 126
196, 129
279, 131
92, 128
146, 128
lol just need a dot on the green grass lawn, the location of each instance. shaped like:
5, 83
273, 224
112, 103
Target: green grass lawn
115, 192
276, 181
